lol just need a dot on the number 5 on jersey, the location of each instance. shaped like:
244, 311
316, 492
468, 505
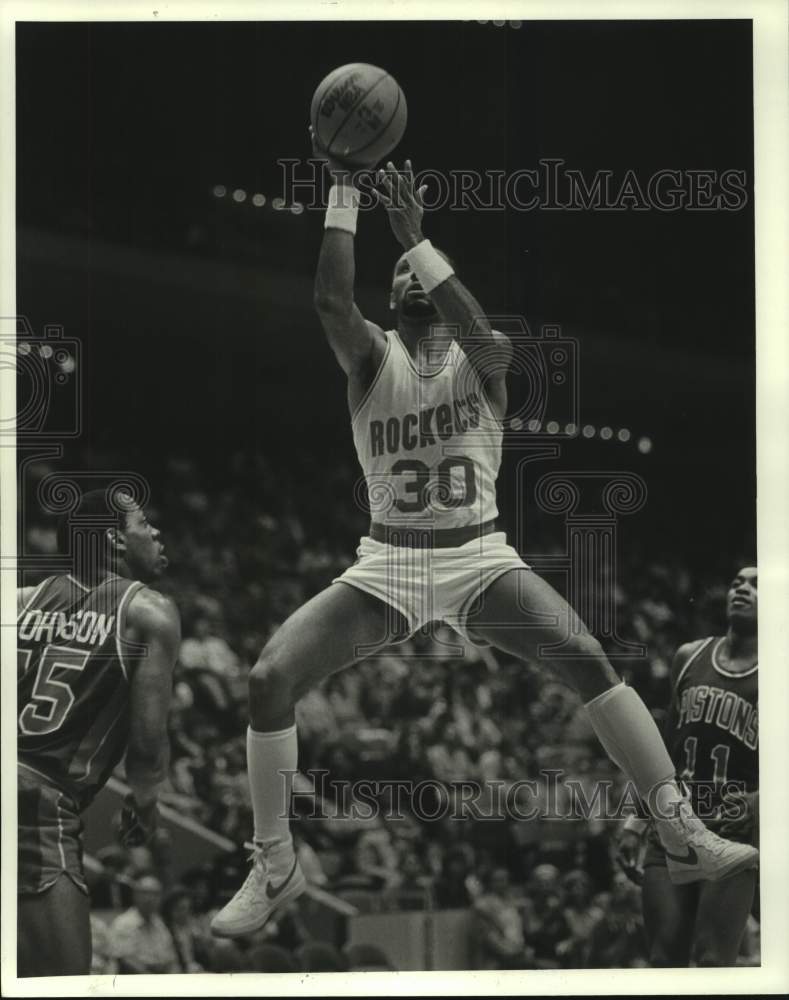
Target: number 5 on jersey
51, 697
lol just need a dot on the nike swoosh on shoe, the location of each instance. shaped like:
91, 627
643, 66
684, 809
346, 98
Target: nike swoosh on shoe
271, 892
691, 858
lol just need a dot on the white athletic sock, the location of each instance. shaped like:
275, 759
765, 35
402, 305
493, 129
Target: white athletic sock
632, 740
271, 761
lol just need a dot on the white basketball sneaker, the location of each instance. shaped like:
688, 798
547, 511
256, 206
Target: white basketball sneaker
274, 879
704, 855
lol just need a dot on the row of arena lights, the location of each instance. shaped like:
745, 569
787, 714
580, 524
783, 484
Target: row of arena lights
239, 196
644, 444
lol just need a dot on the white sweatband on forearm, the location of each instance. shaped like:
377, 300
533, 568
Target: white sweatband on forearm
343, 208
634, 824
428, 265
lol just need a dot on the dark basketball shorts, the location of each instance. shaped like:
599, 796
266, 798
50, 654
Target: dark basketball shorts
49, 839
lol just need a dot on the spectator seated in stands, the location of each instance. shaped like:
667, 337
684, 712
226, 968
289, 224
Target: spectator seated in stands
375, 865
453, 889
582, 916
497, 933
205, 650
546, 926
139, 939
185, 931
618, 937
413, 890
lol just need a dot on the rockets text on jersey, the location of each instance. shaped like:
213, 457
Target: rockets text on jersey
429, 444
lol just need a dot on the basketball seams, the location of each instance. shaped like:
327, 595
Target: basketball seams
317, 100
384, 76
384, 129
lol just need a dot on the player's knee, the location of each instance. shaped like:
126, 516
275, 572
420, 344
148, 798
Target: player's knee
270, 682
584, 647
585, 666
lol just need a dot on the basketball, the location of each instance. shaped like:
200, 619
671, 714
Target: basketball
358, 114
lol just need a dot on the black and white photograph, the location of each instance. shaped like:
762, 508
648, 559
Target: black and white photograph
385, 392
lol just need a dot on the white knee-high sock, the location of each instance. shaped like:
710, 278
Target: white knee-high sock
632, 740
271, 761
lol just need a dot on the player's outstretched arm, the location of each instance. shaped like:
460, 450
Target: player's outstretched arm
350, 335
355, 341
153, 622
488, 350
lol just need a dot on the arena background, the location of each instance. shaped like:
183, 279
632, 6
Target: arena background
202, 367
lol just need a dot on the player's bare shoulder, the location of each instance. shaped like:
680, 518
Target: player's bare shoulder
23, 597
151, 614
683, 656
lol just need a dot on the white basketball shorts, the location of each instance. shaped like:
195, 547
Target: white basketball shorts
432, 584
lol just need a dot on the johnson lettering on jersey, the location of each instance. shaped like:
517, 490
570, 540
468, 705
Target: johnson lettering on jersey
429, 444
714, 733
72, 682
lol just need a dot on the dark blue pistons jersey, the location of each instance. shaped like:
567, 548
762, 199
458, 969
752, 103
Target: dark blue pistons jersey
73, 682
713, 726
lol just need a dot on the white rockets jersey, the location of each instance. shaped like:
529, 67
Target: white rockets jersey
429, 445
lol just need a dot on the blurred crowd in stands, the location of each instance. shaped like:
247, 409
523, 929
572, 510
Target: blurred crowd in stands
247, 546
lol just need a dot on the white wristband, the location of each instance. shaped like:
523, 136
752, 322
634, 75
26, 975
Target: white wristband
428, 265
342, 209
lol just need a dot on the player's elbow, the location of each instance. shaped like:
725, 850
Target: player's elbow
146, 766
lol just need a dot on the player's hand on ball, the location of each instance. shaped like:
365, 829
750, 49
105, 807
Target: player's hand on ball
403, 203
628, 854
137, 824
740, 813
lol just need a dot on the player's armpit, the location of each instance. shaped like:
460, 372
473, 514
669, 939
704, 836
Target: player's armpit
153, 622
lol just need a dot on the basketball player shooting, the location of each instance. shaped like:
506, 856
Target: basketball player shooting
96, 653
426, 400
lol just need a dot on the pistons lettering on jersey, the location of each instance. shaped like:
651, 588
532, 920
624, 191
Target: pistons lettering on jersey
421, 429
88, 627
722, 708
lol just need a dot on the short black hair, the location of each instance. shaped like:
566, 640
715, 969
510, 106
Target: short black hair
91, 516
